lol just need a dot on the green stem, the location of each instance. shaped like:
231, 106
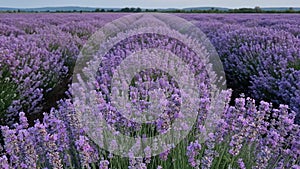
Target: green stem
221, 157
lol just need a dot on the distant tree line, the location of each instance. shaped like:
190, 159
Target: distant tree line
136, 10
239, 10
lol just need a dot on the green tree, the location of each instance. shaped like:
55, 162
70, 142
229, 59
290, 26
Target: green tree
132, 10
138, 10
257, 9
290, 10
125, 9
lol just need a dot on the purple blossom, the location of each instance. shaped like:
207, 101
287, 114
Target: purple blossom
104, 164
4, 162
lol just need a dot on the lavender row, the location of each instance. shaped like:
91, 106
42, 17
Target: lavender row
261, 57
38, 53
244, 139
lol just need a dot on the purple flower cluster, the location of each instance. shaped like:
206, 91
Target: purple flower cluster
49, 144
250, 136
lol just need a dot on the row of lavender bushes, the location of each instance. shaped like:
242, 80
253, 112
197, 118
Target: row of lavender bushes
244, 139
37, 58
39, 53
263, 55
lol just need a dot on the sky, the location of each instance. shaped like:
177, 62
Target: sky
150, 3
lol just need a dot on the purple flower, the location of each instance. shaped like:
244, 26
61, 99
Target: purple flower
241, 164
192, 153
4, 163
104, 164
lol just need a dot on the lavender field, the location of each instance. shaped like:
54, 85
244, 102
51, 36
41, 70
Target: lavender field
258, 126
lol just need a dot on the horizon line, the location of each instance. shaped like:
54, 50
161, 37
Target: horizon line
149, 7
